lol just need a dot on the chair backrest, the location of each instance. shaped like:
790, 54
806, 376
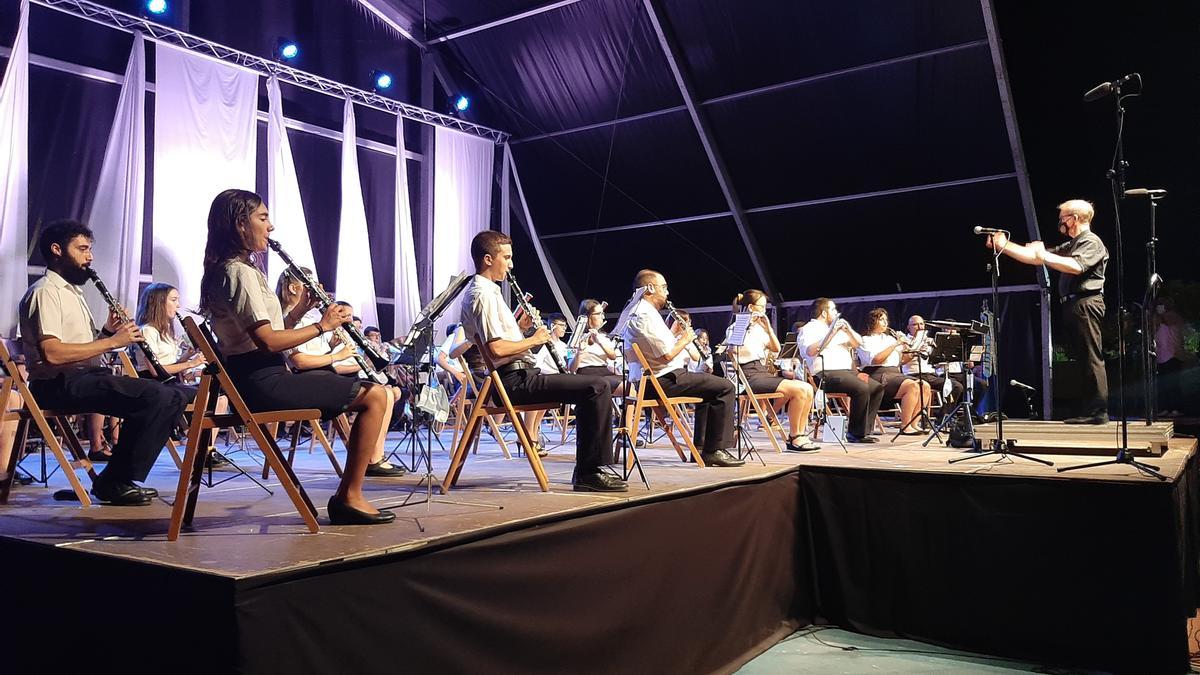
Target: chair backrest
648, 375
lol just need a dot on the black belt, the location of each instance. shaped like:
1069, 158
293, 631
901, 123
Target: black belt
1072, 297
513, 367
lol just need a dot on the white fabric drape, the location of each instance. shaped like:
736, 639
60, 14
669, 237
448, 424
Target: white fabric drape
462, 201
14, 177
204, 142
283, 191
408, 296
118, 211
355, 276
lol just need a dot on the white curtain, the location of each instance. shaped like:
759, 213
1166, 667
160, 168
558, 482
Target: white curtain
355, 277
408, 297
204, 142
462, 201
117, 213
283, 191
14, 177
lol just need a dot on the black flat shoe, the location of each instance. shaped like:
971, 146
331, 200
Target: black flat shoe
378, 470
721, 458
851, 438
341, 513
148, 491
118, 493
599, 482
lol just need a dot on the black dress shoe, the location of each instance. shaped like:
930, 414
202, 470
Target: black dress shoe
341, 513
118, 493
721, 458
378, 470
851, 438
148, 491
599, 482
1102, 418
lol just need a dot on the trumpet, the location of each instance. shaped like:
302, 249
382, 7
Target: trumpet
704, 353
523, 303
373, 364
115, 307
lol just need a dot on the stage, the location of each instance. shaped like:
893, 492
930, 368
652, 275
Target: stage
699, 573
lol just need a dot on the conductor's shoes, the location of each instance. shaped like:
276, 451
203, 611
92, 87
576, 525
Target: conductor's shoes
721, 458
599, 482
118, 493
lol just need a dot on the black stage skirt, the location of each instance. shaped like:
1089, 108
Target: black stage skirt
266, 383
600, 371
890, 377
761, 381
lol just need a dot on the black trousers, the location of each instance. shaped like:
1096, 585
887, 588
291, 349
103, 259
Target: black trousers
936, 382
1170, 385
149, 409
1081, 326
592, 397
865, 398
714, 415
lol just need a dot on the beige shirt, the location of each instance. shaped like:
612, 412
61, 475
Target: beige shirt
243, 300
484, 314
54, 307
649, 332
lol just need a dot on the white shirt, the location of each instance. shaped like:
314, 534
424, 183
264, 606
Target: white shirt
242, 301
835, 356
594, 354
165, 349
649, 332
919, 363
484, 314
876, 344
754, 347
318, 346
54, 307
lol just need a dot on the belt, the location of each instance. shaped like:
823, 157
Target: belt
513, 366
1072, 297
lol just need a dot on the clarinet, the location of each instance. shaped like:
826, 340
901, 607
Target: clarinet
376, 362
115, 307
704, 353
535, 318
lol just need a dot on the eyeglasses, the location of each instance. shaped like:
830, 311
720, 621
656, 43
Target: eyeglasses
597, 313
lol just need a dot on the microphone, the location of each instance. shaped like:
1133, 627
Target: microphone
1105, 88
1146, 192
1021, 385
988, 230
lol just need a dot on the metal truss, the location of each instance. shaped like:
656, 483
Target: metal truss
159, 33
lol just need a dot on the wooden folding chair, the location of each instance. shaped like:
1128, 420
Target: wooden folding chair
494, 386
43, 419
204, 423
470, 396
340, 425
671, 404
130, 371
766, 413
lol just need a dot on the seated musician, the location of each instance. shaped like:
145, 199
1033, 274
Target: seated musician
486, 316
547, 366
666, 354
327, 352
917, 365
597, 354
761, 344
254, 333
63, 349
826, 343
880, 353
156, 312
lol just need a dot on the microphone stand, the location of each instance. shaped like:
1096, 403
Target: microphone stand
1116, 177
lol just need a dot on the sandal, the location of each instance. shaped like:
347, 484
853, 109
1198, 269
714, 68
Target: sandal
806, 446
103, 454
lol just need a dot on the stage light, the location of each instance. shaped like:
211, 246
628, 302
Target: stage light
381, 79
286, 50
461, 103
156, 6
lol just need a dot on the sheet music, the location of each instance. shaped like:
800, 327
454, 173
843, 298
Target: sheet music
737, 333
623, 320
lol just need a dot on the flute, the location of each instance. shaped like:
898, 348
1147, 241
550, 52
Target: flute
704, 353
115, 307
373, 364
523, 302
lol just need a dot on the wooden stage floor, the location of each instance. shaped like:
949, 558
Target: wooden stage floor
240, 531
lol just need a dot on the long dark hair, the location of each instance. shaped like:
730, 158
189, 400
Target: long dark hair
873, 318
225, 241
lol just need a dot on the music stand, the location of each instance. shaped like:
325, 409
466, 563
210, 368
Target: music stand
948, 347
742, 441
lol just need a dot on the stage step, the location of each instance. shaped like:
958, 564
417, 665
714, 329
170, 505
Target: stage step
1082, 439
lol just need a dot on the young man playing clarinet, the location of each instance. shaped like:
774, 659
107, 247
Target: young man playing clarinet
63, 350
486, 316
667, 355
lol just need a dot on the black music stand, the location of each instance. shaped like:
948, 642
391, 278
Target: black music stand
949, 347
